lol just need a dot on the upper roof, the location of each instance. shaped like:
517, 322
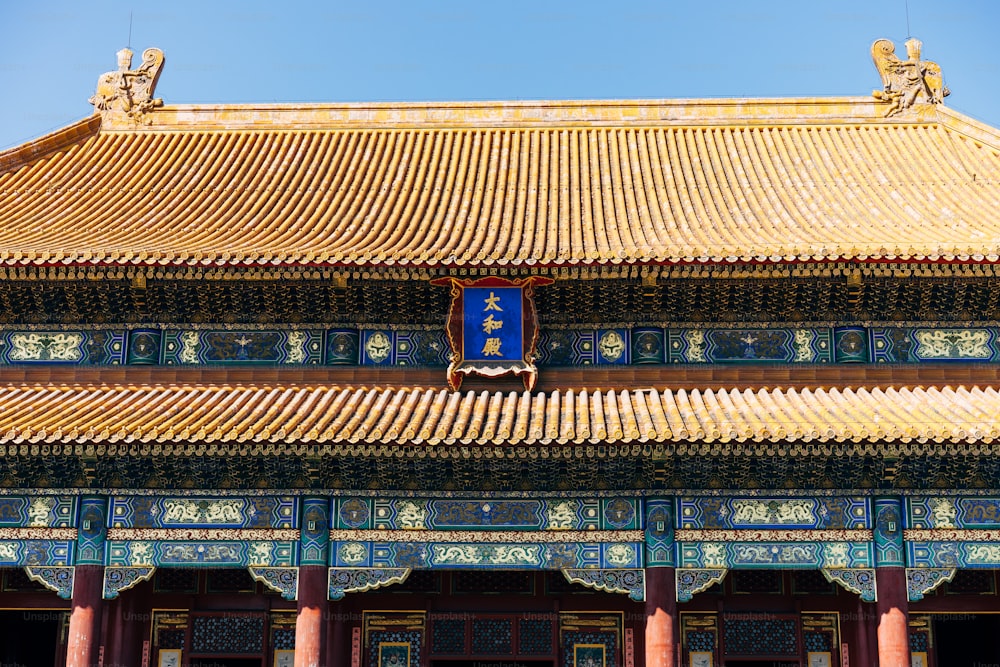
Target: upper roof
513, 183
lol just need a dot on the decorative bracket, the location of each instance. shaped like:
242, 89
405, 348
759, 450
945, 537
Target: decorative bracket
118, 579
920, 581
55, 578
860, 581
345, 580
690, 581
632, 582
284, 580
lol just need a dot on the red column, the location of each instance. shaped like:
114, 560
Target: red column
891, 613
861, 651
309, 623
85, 618
661, 617
336, 651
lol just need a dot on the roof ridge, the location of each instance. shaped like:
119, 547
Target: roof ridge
18, 156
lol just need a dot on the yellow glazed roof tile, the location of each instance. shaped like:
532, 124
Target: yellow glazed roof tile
506, 184
215, 414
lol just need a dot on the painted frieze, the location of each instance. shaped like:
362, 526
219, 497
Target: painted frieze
953, 554
443, 549
951, 512
256, 512
489, 514
194, 346
691, 346
927, 344
215, 553
427, 346
764, 554
818, 513
95, 347
38, 511
37, 552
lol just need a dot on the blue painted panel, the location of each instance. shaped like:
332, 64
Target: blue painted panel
493, 327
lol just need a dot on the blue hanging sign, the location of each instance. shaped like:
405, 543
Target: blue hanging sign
492, 327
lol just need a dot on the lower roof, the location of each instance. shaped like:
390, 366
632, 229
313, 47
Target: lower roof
214, 415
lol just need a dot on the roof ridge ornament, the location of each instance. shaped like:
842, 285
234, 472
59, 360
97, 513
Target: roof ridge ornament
906, 82
129, 92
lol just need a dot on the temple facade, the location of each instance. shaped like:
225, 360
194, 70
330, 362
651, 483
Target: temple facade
699, 383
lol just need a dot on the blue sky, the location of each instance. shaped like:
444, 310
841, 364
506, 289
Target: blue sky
51, 53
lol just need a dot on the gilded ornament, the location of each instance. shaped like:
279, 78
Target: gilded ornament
46, 346
378, 346
611, 345
953, 343
38, 512
561, 515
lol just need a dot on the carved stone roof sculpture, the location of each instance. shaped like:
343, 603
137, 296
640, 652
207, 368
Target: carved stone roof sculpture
130, 91
906, 82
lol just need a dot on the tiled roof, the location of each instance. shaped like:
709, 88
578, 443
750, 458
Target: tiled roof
507, 184
196, 417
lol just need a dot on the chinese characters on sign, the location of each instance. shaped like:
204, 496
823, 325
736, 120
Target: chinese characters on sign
492, 327
486, 311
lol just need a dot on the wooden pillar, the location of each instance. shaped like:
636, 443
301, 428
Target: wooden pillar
861, 651
309, 622
891, 607
891, 613
137, 610
85, 617
661, 617
88, 583
314, 550
337, 651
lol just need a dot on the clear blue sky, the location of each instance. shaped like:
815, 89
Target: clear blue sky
51, 53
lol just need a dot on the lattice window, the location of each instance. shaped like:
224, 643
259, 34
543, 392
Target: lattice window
448, 636
811, 582
484, 581
230, 634
413, 638
171, 580
535, 636
492, 636
283, 638
817, 641
419, 581
756, 634
556, 584
171, 638
700, 640
230, 580
756, 581
919, 641
17, 580
981, 582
